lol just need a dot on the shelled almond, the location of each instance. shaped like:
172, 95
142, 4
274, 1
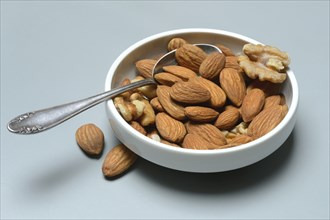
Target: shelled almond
207, 101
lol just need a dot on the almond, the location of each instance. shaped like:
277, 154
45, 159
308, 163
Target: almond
208, 132
252, 104
266, 120
190, 56
175, 43
90, 139
184, 73
167, 79
240, 139
145, 67
170, 106
225, 50
236, 141
137, 126
156, 105
274, 100
218, 96
200, 114
118, 160
212, 65
169, 128
232, 62
196, 142
189, 92
228, 119
233, 84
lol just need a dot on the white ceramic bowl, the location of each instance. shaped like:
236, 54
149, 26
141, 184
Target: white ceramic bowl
204, 161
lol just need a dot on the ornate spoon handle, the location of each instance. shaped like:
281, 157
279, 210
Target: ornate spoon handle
41, 120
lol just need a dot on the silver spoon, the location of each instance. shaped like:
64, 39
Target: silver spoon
41, 120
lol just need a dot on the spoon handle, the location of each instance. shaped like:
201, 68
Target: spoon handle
41, 120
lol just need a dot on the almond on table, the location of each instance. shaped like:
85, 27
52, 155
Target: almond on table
118, 160
90, 139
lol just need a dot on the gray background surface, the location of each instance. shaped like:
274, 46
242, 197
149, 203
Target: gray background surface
53, 52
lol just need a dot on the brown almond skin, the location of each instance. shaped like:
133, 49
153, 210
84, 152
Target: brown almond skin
218, 96
190, 56
171, 107
274, 100
240, 139
266, 120
184, 73
175, 43
233, 84
232, 62
156, 105
137, 126
236, 141
225, 50
145, 67
228, 119
90, 139
189, 92
212, 65
252, 104
167, 79
118, 160
195, 142
200, 113
169, 128
207, 131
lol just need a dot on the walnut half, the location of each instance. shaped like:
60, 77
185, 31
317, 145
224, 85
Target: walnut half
264, 62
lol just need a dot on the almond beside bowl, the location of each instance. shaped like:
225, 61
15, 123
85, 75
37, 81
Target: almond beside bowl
203, 161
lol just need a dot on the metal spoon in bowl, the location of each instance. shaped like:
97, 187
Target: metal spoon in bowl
41, 120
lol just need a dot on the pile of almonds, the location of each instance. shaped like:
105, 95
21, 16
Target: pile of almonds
207, 101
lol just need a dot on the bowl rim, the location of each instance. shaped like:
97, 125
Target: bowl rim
110, 105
